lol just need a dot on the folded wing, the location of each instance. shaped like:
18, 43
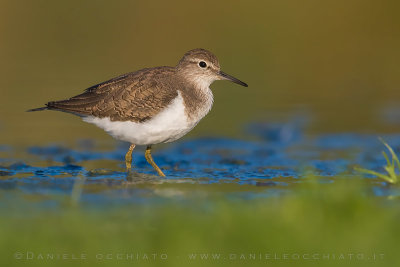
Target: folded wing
134, 97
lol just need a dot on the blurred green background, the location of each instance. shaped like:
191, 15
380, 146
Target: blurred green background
337, 60
336, 219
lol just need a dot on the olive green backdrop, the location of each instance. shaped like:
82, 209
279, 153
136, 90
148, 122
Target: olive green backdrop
337, 60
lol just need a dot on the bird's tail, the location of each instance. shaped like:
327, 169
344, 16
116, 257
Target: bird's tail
37, 109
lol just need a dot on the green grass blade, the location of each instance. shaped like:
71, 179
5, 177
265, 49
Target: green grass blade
395, 159
392, 173
390, 167
377, 174
387, 158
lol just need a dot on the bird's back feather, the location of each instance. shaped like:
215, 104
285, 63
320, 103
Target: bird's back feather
136, 96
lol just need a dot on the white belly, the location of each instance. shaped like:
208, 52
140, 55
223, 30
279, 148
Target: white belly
167, 126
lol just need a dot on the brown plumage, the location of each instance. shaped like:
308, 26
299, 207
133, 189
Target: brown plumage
150, 106
135, 96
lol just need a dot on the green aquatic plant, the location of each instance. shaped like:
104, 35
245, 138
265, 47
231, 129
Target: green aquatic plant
392, 176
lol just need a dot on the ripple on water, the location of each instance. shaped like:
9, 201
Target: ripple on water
279, 158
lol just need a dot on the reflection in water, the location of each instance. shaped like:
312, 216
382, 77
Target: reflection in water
269, 166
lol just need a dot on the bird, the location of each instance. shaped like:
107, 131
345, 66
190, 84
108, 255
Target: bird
152, 105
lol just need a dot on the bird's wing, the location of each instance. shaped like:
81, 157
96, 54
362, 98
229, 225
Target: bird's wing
134, 97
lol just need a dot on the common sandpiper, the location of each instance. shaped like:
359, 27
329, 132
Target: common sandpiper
152, 105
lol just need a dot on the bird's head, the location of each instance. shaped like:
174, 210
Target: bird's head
202, 67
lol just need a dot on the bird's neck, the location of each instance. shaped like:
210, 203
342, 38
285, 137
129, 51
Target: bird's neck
198, 101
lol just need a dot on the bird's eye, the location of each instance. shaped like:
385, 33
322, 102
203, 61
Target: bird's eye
202, 64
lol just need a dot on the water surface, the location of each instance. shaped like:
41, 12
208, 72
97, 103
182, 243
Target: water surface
269, 162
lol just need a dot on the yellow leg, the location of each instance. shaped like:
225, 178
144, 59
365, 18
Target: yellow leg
128, 157
150, 160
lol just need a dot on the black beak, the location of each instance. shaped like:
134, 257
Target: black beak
225, 76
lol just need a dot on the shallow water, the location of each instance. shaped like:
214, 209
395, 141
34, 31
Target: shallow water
270, 161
